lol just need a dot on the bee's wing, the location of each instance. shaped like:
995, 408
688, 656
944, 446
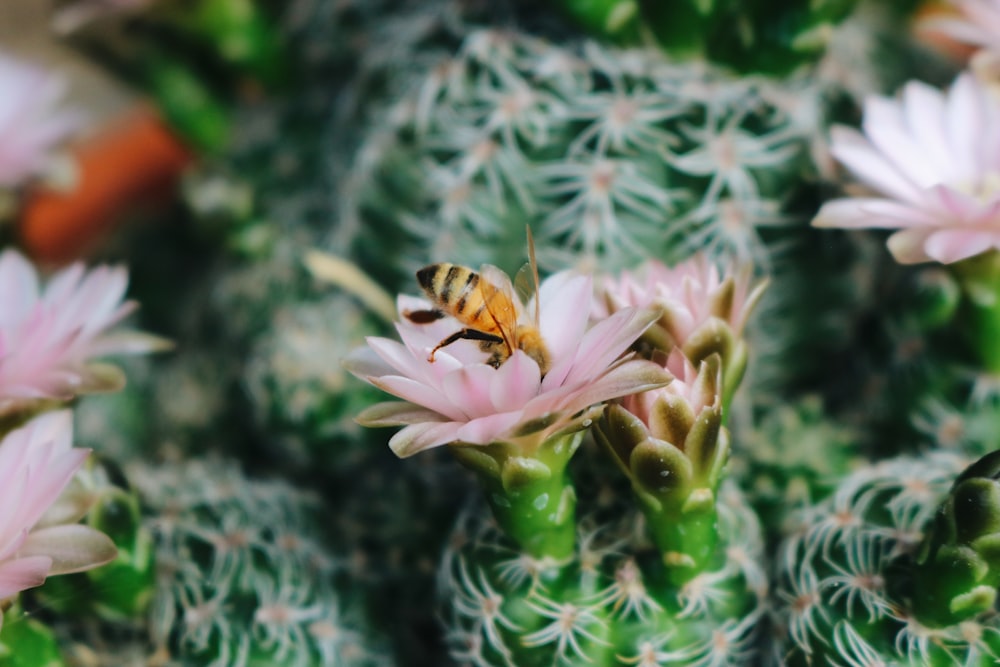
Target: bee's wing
501, 302
524, 284
526, 281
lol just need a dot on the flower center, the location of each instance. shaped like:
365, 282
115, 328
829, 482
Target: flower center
984, 189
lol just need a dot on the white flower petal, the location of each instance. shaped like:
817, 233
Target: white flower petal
952, 245
869, 165
860, 213
419, 437
397, 413
907, 245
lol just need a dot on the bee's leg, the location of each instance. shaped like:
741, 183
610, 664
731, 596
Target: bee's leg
465, 334
423, 316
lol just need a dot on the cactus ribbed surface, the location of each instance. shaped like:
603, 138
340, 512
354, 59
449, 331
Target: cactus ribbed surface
244, 576
609, 602
897, 567
610, 155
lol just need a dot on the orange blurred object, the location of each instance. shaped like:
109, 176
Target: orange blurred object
133, 163
926, 33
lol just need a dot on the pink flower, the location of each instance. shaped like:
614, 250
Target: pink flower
39, 536
49, 336
693, 392
691, 295
459, 398
31, 125
933, 160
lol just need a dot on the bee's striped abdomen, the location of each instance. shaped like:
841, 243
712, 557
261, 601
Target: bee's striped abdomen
454, 289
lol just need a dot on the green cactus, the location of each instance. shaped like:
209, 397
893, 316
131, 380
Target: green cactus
793, 457
27, 642
299, 391
609, 155
608, 602
121, 591
753, 36
967, 427
896, 569
243, 576
770, 37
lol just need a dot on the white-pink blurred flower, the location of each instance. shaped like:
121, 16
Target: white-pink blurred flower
32, 124
975, 22
459, 398
933, 161
39, 533
51, 334
71, 17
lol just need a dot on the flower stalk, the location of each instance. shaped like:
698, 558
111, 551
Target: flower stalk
979, 277
673, 447
531, 496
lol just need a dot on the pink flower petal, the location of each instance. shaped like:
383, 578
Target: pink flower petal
397, 356
565, 309
22, 573
469, 387
604, 343
418, 393
49, 338
952, 245
397, 413
516, 382
631, 377
491, 428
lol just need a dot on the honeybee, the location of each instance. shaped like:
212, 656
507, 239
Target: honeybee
485, 303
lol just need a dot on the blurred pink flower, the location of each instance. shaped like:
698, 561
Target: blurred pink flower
76, 15
459, 398
31, 124
49, 336
977, 23
39, 536
933, 160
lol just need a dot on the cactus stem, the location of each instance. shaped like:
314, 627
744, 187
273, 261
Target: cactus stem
532, 497
688, 540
